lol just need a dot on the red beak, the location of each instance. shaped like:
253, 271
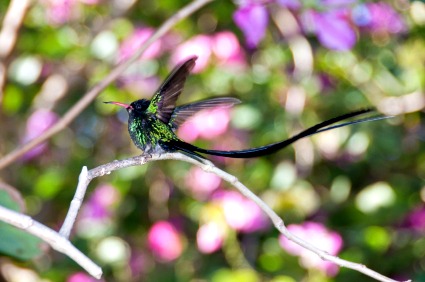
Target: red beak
120, 104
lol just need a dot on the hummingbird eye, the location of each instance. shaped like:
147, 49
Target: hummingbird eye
135, 106
140, 105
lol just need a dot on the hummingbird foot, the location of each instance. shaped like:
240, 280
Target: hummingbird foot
147, 155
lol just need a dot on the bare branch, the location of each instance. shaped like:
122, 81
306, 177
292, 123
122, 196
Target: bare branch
9, 33
83, 182
72, 113
56, 241
87, 176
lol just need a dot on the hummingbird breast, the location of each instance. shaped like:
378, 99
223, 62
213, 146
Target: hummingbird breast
147, 133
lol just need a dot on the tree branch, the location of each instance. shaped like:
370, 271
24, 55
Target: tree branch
8, 34
56, 241
87, 176
95, 91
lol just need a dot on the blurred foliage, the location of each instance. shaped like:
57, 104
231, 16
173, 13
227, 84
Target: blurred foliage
365, 182
14, 242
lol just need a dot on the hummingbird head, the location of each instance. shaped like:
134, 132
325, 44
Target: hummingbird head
135, 108
139, 106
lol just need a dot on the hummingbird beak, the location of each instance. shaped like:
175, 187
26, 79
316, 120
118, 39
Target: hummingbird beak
119, 104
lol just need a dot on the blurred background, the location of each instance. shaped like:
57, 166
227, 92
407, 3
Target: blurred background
357, 192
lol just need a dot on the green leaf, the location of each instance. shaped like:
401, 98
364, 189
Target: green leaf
14, 242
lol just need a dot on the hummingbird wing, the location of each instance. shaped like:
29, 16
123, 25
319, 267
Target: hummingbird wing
182, 113
163, 102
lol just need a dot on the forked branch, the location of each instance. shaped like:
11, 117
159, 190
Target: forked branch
53, 238
87, 175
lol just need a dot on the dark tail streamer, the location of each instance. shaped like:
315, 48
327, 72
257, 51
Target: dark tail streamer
272, 148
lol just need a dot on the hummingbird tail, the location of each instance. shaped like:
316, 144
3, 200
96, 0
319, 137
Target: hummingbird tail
272, 148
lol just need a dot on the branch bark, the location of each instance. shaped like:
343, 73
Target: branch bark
56, 241
87, 175
8, 34
72, 113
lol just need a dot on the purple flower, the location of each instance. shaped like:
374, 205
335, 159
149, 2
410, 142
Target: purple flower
329, 22
252, 19
138, 263
37, 123
332, 29
337, 3
164, 241
290, 4
241, 213
361, 16
318, 235
416, 219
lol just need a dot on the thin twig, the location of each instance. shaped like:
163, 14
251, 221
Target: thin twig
56, 241
8, 34
87, 176
95, 91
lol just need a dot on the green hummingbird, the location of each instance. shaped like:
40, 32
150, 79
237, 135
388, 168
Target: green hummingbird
152, 124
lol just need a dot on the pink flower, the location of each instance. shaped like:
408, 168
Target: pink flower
165, 241
82, 277
206, 124
210, 237
37, 123
135, 41
241, 213
133, 79
319, 236
202, 183
200, 46
252, 19
100, 203
138, 83
383, 19
59, 11
227, 49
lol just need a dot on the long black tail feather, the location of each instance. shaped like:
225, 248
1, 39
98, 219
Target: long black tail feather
272, 148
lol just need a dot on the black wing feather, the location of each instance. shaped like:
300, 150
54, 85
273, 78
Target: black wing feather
163, 102
184, 112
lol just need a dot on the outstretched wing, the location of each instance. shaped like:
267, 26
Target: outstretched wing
182, 113
163, 102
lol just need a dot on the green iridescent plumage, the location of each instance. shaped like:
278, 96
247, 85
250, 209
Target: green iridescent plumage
152, 124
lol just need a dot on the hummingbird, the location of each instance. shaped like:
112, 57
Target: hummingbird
152, 124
